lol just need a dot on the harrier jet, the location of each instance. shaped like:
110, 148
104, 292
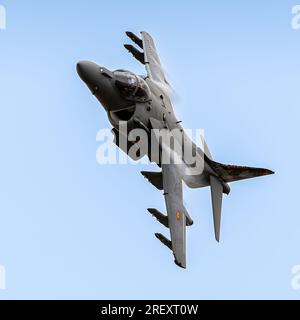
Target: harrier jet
144, 102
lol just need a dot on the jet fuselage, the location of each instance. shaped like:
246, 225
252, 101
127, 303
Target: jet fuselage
137, 110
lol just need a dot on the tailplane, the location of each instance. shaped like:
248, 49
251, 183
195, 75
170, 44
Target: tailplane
230, 173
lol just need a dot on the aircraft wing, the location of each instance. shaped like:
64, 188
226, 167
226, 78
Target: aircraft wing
149, 57
152, 61
176, 211
170, 181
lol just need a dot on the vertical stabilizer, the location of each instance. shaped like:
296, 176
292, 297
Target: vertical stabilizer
216, 197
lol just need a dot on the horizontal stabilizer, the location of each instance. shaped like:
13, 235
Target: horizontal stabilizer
135, 39
216, 197
159, 216
155, 178
164, 240
136, 53
229, 173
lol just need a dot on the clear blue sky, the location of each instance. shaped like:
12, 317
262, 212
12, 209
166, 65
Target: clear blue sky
70, 228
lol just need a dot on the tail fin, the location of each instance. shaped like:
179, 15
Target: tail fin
229, 173
216, 197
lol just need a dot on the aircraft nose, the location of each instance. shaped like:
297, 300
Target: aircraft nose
86, 70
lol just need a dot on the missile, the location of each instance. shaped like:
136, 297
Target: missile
135, 39
159, 216
135, 52
155, 178
164, 240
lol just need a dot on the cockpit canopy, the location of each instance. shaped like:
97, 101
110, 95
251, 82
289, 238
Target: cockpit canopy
131, 86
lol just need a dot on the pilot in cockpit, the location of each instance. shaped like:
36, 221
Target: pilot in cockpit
131, 86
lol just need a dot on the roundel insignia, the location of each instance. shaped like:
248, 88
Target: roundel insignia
178, 215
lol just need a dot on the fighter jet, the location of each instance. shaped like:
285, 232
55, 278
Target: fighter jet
144, 102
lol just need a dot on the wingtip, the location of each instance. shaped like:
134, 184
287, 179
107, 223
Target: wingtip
266, 172
179, 264
217, 236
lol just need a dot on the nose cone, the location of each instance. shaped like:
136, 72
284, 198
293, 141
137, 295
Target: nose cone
100, 82
87, 71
